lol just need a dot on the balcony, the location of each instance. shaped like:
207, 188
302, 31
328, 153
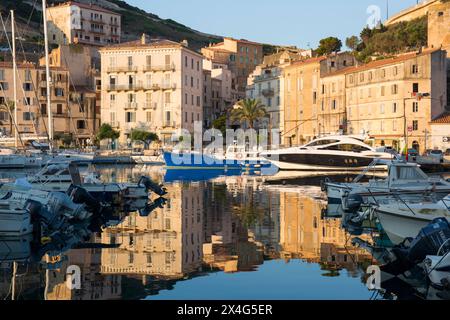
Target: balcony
131, 105
150, 105
129, 87
156, 68
169, 124
123, 69
97, 31
268, 92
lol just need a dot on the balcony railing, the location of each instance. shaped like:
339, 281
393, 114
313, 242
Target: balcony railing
268, 92
98, 31
171, 124
131, 105
150, 105
164, 67
123, 69
141, 86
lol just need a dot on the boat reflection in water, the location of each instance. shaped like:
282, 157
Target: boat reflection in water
258, 240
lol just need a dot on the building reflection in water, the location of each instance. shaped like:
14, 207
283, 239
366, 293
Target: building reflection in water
229, 225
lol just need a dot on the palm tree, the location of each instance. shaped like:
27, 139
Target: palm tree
248, 111
8, 107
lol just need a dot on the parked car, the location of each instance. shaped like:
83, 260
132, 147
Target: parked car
436, 154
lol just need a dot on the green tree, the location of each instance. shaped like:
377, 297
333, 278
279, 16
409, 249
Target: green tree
8, 107
328, 46
248, 111
65, 138
220, 123
107, 132
146, 137
352, 42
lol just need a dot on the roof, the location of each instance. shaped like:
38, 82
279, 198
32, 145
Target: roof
442, 119
85, 6
385, 62
149, 44
306, 61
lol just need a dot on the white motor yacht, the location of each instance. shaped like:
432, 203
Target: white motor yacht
404, 179
327, 154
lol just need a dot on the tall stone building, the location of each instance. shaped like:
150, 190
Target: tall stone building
438, 26
383, 98
241, 56
152, 85
87, 24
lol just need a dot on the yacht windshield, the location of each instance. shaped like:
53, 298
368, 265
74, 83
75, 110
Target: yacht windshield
321, 143
346, 147
409, 173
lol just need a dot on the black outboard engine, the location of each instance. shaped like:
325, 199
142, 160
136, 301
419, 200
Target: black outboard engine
79, 195
150, 185
429, 241
353, 202
149, 208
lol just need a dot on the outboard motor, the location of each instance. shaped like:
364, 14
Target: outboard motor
79, 195
353, 202
150, 185
61, 204
149, 208
429, 241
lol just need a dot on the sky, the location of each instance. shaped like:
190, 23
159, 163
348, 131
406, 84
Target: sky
281, 22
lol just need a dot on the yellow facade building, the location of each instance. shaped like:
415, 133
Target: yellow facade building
382, 98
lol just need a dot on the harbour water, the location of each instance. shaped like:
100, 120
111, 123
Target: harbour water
216, 237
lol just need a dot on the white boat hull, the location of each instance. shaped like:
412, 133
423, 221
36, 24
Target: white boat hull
15, 224
400, 224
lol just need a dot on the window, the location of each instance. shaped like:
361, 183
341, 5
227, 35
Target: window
59, 108
314, 97
27, 101
414, 69
415, 87
415, 107
198, 101
382, 91
415, 125
167, 116
27, 75
361, 77
130, 117
59, 92
4, 86
185, 117
81, 124
27, 86
394, 89
382, 108
149, 116
383, 73
350, 79
167, 97
394, 125
28, 116
333, 104
149, 61
394, 107
395, 71
2, 74
43, 109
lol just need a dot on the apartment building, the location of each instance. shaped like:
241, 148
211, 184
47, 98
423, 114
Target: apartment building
87, 24
241, 57
83, 68
32, 117
266, 84
383, 98
218, 90
440, 132
152, 85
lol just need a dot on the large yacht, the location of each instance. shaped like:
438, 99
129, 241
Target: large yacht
327, 154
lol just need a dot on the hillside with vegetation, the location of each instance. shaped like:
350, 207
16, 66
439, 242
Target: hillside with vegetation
385, 41
134, 21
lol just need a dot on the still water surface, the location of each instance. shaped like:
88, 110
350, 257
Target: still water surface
216, 237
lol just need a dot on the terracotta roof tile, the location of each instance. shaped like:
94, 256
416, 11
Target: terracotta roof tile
442, 119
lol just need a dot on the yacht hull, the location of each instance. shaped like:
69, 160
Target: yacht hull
402, 224
15, 224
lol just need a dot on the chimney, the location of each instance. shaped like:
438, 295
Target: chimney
185, 43
144, 38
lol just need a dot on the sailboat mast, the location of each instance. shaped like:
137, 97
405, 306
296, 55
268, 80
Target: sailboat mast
13, 33
47, 73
